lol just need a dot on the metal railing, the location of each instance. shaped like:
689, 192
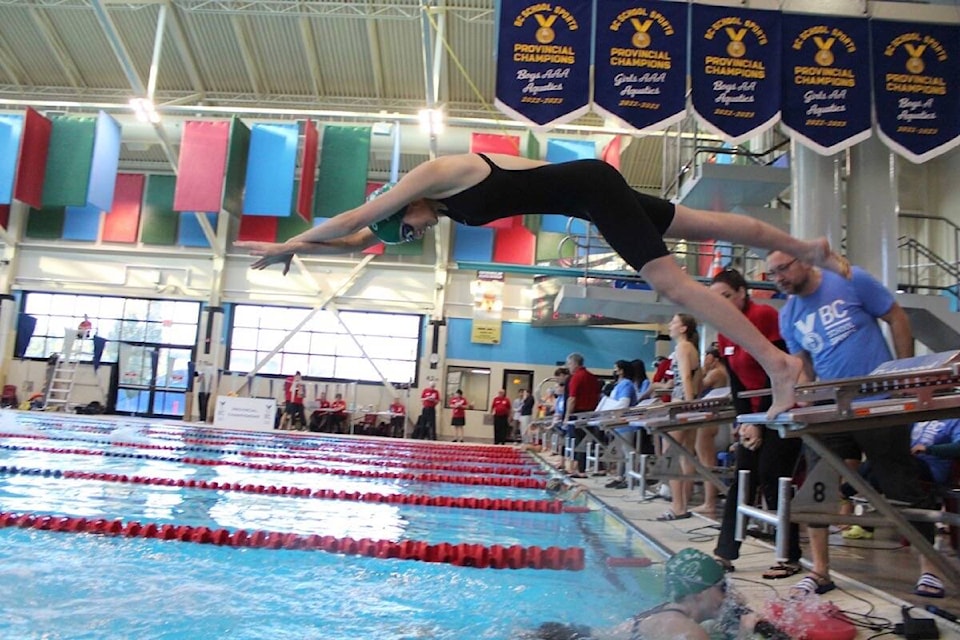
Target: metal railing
923, 271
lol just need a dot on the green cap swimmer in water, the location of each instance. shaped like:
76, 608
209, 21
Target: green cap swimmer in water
689, 572
696, 588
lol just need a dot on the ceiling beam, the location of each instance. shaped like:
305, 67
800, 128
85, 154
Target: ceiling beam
119, 49
60, 54
310, 55
376, 58
183, 48
12, 67
254, 74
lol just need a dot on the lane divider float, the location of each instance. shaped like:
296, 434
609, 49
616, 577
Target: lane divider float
462, 554
507, 481
419, 500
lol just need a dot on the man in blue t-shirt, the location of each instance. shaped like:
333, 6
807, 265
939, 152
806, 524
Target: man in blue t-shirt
831, 323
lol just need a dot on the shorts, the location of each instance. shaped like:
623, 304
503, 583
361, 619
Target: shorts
458, 422
293, 407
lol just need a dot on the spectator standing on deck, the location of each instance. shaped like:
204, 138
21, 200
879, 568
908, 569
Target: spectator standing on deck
526, 415
583, 394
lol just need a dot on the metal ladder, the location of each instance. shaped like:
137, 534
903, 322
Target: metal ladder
63, 372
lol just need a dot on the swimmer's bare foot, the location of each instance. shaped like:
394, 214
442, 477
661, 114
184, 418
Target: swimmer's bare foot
782, 383
822, 255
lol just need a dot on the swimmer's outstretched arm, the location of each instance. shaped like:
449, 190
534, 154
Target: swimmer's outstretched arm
282, 252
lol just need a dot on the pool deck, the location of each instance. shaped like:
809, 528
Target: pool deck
873, 577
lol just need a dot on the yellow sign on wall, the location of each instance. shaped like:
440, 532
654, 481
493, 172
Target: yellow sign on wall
487, 292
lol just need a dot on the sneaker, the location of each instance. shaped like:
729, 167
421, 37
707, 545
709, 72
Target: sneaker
856, 532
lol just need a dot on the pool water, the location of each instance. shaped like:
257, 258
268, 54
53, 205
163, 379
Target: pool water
70, 585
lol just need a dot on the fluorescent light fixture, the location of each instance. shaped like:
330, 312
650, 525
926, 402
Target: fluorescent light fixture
144, 110
431, 120
483, 372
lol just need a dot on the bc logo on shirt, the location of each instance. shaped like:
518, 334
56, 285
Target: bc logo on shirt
811, 341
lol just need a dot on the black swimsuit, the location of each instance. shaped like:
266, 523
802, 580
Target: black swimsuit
632, 223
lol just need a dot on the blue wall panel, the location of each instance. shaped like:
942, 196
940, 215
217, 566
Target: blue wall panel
600, 346
82, 223
189, 232
105, 163
11, 130
472, 244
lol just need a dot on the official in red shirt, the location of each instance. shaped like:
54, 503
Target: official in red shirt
294, 391
501, 409
429, 398
320, 418
338, 414
398, 415
583, 394
458, 418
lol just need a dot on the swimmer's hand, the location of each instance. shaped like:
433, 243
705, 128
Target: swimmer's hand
270, 253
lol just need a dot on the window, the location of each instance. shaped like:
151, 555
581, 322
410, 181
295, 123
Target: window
117, 320
473, 381
322, 347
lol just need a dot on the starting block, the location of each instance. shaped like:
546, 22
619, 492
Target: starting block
658, 419
897, 393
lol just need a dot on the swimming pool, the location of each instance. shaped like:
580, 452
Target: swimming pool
479, 505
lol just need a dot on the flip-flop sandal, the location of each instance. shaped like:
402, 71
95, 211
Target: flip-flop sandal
670, 516
782, 570
812, 584
929, 586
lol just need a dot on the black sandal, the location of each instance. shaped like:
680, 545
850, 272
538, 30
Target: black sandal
782, 570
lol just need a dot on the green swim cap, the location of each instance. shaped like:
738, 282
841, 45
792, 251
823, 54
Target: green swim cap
390, 230
689, 572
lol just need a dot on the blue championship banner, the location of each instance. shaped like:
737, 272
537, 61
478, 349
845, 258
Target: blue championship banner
915, 87
543, 60
640, 66
735, 70
826, 81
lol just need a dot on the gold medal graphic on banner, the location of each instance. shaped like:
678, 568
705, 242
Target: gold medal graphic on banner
736, 48
545, 34
914, 62
823, 57
641, 39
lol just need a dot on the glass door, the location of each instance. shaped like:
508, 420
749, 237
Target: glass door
153, 380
